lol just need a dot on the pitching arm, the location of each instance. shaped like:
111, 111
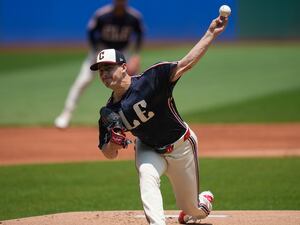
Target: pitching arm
216, 27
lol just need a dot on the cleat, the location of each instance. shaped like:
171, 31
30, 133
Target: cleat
205, 200
208, 195
181, 218
62, 121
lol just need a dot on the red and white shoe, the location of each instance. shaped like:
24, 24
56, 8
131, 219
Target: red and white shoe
205, 203
183, 218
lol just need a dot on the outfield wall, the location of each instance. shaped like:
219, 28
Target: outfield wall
268, 19
65, 20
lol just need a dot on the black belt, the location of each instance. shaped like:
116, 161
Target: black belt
169, 148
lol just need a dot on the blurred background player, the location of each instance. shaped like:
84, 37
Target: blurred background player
111, 26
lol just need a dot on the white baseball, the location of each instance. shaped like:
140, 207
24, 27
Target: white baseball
224, 10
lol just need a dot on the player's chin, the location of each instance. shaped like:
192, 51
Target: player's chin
107, 82
111, 85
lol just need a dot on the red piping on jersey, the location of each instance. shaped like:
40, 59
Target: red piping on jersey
161, 63
187, 135
171, 107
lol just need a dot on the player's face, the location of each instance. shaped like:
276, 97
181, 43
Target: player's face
111, 74
120, 3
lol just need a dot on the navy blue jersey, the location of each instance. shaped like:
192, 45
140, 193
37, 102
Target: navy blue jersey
148, 109
111, 31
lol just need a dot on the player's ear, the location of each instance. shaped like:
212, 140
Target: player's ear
124, 67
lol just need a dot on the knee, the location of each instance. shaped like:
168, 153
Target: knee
85, 80
147, 172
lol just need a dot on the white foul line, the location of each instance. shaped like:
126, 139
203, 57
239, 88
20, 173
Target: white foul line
218, 216
176, 216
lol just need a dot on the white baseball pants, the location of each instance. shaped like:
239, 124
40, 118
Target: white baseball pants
83, 79
181, 167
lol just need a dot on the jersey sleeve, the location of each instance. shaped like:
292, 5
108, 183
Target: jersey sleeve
139, 31
138, 26
93, 31
162, 73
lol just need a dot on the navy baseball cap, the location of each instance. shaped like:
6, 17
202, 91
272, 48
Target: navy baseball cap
108, 56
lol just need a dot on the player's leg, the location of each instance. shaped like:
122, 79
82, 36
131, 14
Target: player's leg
83, 79
150, 167
183, 173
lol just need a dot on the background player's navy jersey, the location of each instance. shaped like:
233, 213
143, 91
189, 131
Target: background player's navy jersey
111, 31
147, 108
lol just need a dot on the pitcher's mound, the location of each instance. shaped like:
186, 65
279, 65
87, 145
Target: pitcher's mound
137, 218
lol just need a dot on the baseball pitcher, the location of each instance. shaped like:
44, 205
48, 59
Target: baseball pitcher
144, 106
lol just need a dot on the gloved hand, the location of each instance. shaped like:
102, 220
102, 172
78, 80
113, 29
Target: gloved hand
115, 127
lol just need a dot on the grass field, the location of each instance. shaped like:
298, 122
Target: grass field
238, 184
233, 83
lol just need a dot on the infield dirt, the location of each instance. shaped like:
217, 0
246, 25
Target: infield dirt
137, 218
44, 145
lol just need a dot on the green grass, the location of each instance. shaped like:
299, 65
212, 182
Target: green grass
23, 60
34, 85
277, 107
238, 184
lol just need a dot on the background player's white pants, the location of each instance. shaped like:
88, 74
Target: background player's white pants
181, 167
83, 79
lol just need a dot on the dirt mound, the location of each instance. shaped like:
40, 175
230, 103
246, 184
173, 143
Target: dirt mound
137, 218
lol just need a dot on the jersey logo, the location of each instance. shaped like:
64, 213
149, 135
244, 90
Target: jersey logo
115, 33
140, 110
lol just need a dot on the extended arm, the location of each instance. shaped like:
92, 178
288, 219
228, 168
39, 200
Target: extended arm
216, 27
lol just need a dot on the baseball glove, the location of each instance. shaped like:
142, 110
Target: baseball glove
115, 128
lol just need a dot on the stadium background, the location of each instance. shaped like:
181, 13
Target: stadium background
52, 21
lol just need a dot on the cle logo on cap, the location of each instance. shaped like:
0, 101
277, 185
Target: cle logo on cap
101, 56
